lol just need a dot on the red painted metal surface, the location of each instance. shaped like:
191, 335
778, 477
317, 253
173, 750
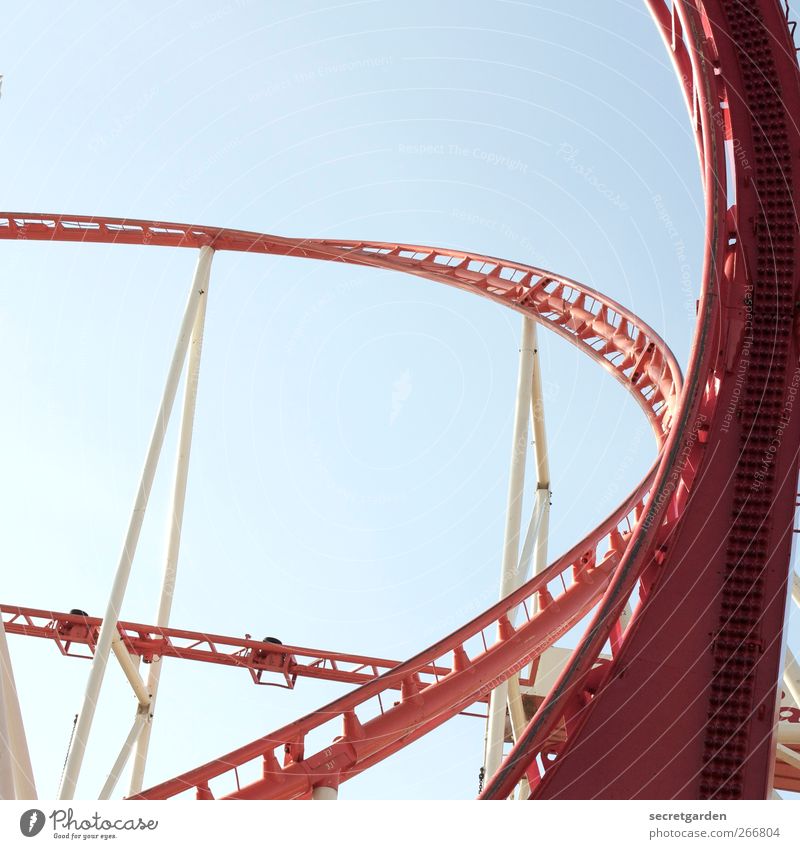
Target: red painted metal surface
705, 538
624, 345
701, 661
616, 339
268, 663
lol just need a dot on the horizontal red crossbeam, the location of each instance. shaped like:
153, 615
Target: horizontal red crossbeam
76, 636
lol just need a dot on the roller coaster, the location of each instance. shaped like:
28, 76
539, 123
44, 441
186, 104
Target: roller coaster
687, 583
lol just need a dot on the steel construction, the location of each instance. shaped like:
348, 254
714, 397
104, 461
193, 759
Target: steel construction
703, 543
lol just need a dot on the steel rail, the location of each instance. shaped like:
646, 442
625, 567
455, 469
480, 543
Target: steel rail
743, 83
611, 335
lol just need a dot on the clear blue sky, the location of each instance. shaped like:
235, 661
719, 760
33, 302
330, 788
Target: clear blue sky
319, 510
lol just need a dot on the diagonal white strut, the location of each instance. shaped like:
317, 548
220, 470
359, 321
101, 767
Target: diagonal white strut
791, 677
7, 788
515, 568
174, 540
16, 773
125, 752
109, 626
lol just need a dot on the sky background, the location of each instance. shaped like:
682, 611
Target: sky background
321, 509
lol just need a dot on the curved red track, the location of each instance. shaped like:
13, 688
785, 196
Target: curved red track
706, 537
548, 605
701, 661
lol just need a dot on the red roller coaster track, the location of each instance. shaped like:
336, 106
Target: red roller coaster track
549, 604
705, 539
268, 663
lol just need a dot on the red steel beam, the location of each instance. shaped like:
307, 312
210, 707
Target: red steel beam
620, 342
709, 546
69, 630
72, 632
365, 741
625, 346
605, 331
701, 660
730, 693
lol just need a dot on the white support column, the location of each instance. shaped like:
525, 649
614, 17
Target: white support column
495, 730
325, 794
516, 713
542, 476
516, 710
109, 626
542, 461
791, 668
541, 510
128, 666
791, 676
531, 544
788, 756
13, 742
124, 754
175, 528
7, 788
